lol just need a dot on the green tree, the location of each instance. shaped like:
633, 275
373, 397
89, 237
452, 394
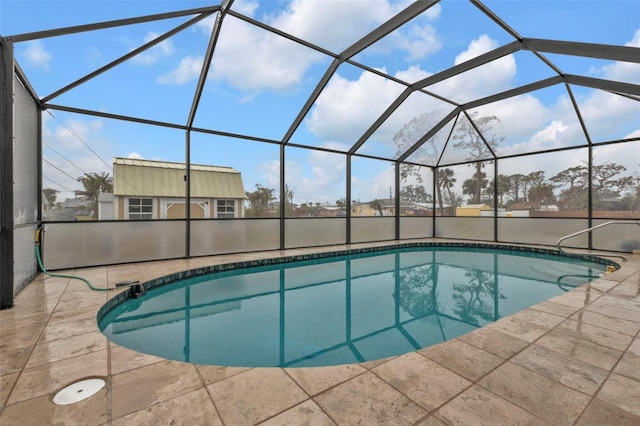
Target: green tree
51, 195
259, 201
515, 187
503, 188
446, 180
288, 201
414, 194
94, 184
471, 185
479, 146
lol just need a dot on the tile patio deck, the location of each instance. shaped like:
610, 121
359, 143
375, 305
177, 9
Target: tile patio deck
573, 359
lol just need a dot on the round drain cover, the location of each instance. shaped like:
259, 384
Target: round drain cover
78, 391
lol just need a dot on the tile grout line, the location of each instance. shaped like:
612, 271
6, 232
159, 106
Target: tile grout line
5, 403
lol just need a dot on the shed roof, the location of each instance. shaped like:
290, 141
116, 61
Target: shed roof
137, 177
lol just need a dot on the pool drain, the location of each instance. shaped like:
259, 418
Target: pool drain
78, 391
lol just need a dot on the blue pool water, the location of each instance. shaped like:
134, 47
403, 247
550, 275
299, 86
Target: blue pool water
337, 310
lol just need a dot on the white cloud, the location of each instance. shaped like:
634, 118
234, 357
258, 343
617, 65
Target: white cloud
634, 134
347, 108
494, 77
135, 155
78, 159
188, 70
550, 134
348, 21
251, 59
623, 71
421, 42
36, 55
153, 55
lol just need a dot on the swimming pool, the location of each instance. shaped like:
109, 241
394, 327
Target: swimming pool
337, 308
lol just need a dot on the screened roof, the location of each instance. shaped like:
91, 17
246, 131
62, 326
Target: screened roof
385, 79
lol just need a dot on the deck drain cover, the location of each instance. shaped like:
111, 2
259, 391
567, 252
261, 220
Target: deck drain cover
78, 391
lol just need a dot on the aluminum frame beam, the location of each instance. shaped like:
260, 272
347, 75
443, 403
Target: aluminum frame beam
126, 57
6, 174
109, 24
590, 50
381, 31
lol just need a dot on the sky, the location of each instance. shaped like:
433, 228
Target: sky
258, 82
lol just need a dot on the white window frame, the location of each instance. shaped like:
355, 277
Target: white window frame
126, 207
225, 200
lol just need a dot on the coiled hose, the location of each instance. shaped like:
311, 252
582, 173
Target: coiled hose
44, 271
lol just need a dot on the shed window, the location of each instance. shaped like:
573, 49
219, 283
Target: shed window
226, 209
140, 208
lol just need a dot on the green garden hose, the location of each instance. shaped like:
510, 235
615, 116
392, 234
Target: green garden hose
44, 271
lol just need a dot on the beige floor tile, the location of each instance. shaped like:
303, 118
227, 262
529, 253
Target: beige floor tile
19, 339
368, 400
629, 366
74, 314
595, 334
306, 413
555, 308
49, 378
622, 302
6, 383
610, 307
124, 359
14, 360
495, 342
583, 350
376, 362
576, 300
564, 369
318, 379
57, 330
42, 411
146, 386
536, 317
599, 413
462, 358
627, 290
57, 350
634, 347
215, 373
425, 382
515, 327
95, 301
255, 395
540, 396
477, 406
10, 324
430, 421
193, 408
605, 321
621, 392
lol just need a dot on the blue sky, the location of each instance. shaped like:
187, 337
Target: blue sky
259, 81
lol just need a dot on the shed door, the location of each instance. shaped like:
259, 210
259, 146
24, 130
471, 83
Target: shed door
178, 211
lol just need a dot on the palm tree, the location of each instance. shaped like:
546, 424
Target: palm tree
446, 180
94, 184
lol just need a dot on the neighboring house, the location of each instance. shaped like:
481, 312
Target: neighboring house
331, 211
147, 189
75, 208
471, 209
387, 207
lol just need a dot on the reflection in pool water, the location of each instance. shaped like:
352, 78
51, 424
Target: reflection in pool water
339, 310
